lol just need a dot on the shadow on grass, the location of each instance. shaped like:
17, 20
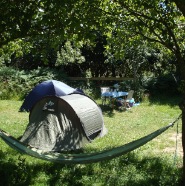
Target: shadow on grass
108, 111
129, 170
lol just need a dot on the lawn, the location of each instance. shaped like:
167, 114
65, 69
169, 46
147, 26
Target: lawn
157, 163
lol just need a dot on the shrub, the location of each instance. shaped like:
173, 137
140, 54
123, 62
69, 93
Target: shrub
16, 84
162, 83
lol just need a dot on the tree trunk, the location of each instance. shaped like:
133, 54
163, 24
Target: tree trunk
182, 107
181, 64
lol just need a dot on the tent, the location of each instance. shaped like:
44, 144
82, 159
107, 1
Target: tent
63, 123
47, 88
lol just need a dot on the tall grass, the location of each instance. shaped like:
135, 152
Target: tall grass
158, 163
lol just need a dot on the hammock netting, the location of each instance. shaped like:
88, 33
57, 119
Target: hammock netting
85, 157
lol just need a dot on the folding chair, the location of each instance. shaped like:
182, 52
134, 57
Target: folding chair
104, 97
128, 99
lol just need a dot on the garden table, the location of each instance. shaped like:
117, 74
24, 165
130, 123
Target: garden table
112, 95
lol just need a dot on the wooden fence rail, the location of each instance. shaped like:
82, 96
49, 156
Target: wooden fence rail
100, 78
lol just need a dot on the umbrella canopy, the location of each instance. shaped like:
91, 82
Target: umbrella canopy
46, 88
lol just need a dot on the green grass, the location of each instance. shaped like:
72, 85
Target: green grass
153, 164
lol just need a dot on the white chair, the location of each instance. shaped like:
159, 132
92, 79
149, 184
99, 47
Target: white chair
128, 99
104, 90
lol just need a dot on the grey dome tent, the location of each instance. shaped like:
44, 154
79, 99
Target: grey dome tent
63, 123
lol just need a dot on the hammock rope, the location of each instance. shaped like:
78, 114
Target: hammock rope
84, 157
176, 143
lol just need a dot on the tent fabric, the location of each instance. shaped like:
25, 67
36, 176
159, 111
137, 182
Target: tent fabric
63, 123
87, 111
81, 158
47, 88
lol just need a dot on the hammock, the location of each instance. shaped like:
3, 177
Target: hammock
85, 157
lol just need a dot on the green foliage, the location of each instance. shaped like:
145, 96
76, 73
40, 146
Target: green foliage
15, 48
161, 84
17, 84
18, 174
21, 172
69, 54
181, 87
56, 21
126, 25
